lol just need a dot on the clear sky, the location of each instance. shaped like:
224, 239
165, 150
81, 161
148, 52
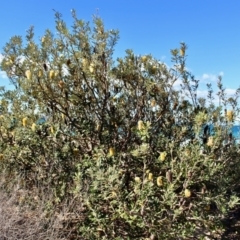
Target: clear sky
210, 28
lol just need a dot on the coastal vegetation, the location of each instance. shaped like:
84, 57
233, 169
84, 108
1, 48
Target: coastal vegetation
104, 148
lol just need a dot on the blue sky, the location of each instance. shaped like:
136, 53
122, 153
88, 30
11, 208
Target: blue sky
210, 28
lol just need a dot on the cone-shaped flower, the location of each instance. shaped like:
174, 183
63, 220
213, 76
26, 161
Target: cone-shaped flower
187, 193
75, 151
52, 130
91, 68
162, 156
111, 152
153, 69
24, 121
34, 125
153, 103
230, 115
210, 141
150, 176
51, 74
140, 125
137, 179
144, 58
182, 52
28, 74
159, 181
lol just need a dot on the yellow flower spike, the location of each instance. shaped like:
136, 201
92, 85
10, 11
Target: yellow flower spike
162, 156
1, 156
24, 121
182, 52
75, 151
91, 68
98, 127
187, 193
230, 115
34, 127
140, 125
52, 130
153, 69
63, 116
51, 74
160, 181
56, 73
210, 142
28, 74
150, 176
121, 171
114, 194
144, 58
137, 179
111, 152
153, 103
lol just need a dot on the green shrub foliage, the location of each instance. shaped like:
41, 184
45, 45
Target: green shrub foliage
122, 137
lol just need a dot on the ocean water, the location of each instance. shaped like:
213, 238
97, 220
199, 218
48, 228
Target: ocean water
236, 132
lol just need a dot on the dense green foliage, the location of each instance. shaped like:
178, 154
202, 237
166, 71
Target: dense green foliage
116, 136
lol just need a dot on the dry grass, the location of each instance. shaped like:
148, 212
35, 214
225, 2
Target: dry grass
23, 215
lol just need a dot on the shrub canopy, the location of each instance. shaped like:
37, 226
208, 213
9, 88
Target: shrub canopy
138, 153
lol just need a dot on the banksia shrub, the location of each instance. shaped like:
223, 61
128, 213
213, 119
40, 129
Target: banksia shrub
137, 154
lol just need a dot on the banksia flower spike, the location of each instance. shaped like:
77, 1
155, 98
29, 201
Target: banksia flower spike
162, 156
140, 125
34, 127
160, 181
137, 179
144, 59
210, 142
52, 130
187, 193
150, 176
111, 152
28, 74
230, 115
153, 103
51, 74
24, 121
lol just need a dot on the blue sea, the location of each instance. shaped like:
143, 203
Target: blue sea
236, 132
